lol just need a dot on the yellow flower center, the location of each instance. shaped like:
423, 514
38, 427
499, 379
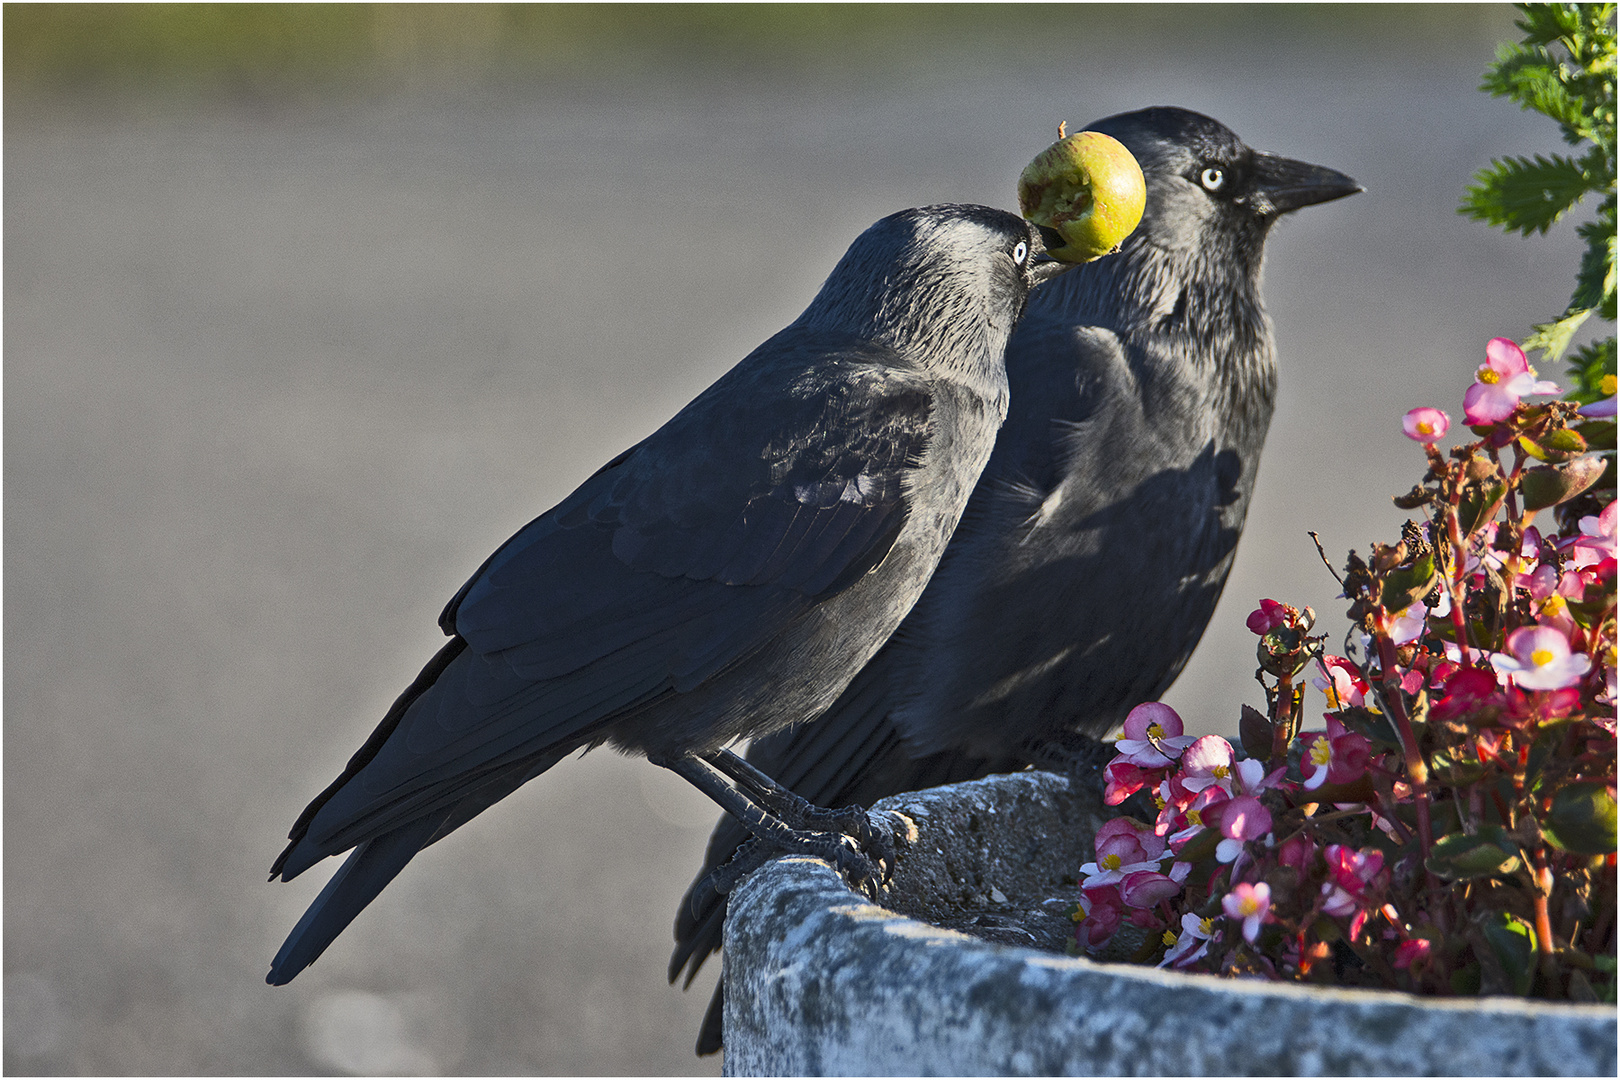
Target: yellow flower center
1158, 801
1321, 752
1207, 925
1169, 937
1221, 772
1488, 376
1608, 384
1195, 817
1155, 731
1248, 905
1425, 427
1541, 657
1110, 862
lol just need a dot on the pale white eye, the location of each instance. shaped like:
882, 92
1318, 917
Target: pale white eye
1020, 253
1212, 179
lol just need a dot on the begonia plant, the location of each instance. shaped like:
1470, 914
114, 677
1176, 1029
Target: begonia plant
1450, 826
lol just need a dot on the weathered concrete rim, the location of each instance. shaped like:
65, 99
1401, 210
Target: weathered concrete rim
820, 981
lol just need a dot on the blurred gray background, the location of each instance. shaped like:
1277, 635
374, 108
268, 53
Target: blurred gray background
308, 309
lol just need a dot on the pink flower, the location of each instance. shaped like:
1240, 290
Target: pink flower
1528, 556
1542, 582
1145, 888
1409, 624
1504, 378
1352, 876
1251, 903
1296, 851
1597, 539
1243, 818
1199, 814
1337, 757
1412, 952
1353, 869
1249, 776
1207, 761
1152, 734
1467, 690
1193, 943
1538, 658
1341, 682
1102, 913
1121, 780
1123, 846
1269, 616
1426, 425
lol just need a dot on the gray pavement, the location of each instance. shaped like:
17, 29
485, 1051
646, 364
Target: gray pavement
278, 375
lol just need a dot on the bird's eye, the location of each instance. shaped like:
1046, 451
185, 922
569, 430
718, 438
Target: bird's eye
1021, 252
1212, 179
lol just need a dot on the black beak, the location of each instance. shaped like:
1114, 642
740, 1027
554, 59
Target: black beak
1281, 184
1042, 267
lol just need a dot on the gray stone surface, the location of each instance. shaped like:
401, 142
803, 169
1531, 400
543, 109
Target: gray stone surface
821, 982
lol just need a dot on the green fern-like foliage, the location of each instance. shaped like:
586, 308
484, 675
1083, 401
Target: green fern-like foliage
1565, 69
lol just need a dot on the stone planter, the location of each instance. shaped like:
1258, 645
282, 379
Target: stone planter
822, 982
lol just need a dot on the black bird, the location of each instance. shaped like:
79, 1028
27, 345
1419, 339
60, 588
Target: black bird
723, 578
1099, 537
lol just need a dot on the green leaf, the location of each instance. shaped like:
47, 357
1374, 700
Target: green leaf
1488, 853
1374, 725
1406, 585
1594, 284
1479, 504
1255, 733
1518, 193
1553, 338
1530, 75
1587, 367
1560, 444
1544, 24
1457, 766
1582, 818
1548, 485
1513, 943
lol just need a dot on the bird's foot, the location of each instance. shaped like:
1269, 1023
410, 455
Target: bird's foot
863, 853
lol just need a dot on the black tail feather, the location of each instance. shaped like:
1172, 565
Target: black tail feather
362, 876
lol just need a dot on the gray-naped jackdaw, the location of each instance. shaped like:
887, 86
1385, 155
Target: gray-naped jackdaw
723, 578
1099, 537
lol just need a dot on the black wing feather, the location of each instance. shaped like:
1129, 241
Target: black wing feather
630, 589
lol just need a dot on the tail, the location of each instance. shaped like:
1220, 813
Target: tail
368, 869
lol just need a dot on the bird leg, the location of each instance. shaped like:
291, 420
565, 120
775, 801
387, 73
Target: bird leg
835, 847
870, 834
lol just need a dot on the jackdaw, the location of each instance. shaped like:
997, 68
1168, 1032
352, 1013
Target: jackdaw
723, 578
1098, 539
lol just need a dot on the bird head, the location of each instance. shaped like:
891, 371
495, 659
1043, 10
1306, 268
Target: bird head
1204, 184
945, 280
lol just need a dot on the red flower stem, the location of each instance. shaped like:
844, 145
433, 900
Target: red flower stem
1544, 938
1417, 770
1282, 726
1459, 573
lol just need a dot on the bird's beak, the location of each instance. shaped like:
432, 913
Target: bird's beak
1282, 184
1042, 267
